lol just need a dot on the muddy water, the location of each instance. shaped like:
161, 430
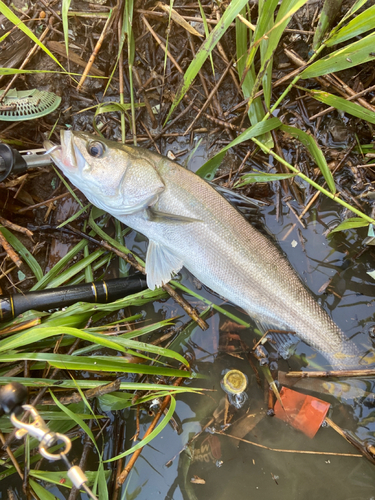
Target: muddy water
232, 468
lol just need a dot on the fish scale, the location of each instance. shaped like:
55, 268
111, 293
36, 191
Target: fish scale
188, 223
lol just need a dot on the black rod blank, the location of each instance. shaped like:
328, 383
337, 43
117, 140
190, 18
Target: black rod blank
56, 298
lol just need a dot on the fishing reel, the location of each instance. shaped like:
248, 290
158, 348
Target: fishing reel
12, 162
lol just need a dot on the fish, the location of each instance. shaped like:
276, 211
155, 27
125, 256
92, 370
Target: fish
189, 224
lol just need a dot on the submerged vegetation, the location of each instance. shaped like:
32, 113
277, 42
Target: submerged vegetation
157, 72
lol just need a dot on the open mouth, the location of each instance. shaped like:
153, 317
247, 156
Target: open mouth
66, 156
68, 151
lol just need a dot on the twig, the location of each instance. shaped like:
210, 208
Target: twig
170, 124
201, 77
53, 12
163, 47
74, 492
11, 456
280, 450
89, 394
121, 79
16, 227
45, 203
333, 373
145, 98
124, 474
60, 49
9, 250
96, 50
208, 100
367, 452
222, 123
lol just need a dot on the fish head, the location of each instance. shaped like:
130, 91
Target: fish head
113, 176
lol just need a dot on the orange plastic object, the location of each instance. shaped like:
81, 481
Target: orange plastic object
302, 412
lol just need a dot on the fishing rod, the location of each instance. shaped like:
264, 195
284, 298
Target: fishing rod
56, 298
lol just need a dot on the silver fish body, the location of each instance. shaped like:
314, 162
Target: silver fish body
188, 223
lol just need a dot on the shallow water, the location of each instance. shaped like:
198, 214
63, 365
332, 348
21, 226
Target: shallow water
244, 470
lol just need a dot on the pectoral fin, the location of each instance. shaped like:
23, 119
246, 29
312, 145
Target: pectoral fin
161, 265
157, 216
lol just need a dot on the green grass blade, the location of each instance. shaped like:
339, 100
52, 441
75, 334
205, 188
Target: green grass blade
123, 266
75, 216
75, 269
343, 105
260, 31
360, 24
68, 188
76, 418
14, 71
60, 477
138, 300
33, 335
356, 53
160, 351
96, 364
109, 107
41, 492
207, 171
146, 329
23, 251
356, 6
127, 23
93, 384
286, 11
64, 16
268, 14
352, 223
205, 50
82, 424
111, 241
314, 184
261, 177
11, 16
313, 148
102, 481
206, 32
329, 12
43, 282
152, 434
256, 111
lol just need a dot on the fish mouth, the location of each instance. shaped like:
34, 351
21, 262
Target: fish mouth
67, 156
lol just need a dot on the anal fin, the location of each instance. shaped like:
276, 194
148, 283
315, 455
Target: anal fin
161, 265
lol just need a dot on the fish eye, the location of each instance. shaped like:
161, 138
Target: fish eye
96, 149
